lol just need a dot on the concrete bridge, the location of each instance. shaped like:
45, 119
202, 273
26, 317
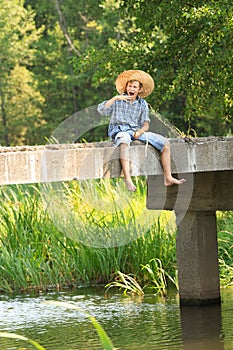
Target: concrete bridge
207, 165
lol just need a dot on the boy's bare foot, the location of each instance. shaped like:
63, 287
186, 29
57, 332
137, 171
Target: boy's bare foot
130, 186
173, 181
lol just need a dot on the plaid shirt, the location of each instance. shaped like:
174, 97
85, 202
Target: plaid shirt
125, 115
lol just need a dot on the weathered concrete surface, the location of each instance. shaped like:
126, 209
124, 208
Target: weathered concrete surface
197, 258
67, 161
209, 187
209, 191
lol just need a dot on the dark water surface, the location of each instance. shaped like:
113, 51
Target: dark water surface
131, 323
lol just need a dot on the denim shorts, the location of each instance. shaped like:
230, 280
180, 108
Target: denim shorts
156, 140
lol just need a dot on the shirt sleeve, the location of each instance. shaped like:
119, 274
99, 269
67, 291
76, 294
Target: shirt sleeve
145, 117
107, 111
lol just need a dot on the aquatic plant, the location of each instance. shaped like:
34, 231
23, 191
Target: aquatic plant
127, 283
158, 278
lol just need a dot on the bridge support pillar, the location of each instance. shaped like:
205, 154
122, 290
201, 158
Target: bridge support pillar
197, 258
195, 203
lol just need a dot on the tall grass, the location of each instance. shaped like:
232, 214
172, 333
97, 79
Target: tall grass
34, 254
225, 247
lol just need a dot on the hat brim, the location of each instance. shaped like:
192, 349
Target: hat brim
138, 75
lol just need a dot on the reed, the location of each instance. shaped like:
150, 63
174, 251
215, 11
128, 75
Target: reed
126, 283
34, 254
225, 247
158, 277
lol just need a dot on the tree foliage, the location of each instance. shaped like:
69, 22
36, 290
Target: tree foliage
59, 57
19, 98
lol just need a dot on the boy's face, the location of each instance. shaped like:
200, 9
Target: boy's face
133, 88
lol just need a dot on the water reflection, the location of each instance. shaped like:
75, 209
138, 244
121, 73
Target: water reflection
132, 323
201, 327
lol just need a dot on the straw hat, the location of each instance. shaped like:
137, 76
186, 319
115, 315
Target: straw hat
143, 77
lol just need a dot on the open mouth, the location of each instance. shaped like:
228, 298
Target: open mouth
131, 93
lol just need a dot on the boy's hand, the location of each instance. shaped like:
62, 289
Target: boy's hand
126, 98
137, 134
117, 97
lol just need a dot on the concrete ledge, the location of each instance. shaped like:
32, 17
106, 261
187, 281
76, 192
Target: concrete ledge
209, 190
31, 164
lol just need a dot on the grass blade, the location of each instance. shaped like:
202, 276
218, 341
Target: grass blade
20, 337
104, 338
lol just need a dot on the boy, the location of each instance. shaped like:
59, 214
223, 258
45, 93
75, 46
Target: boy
130, 121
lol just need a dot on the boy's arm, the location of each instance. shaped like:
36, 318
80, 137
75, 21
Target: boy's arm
141, 131
115, 98
105, 108
146, 124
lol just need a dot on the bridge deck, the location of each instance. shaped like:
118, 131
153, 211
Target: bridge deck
31, 164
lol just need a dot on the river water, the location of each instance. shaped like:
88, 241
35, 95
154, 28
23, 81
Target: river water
131, 322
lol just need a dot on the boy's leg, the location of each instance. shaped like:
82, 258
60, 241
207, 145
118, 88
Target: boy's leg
123, 140
124, 159
163, 145
169, 180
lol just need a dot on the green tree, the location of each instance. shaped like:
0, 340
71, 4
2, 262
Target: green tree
71, 29
19, 97
23, 109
